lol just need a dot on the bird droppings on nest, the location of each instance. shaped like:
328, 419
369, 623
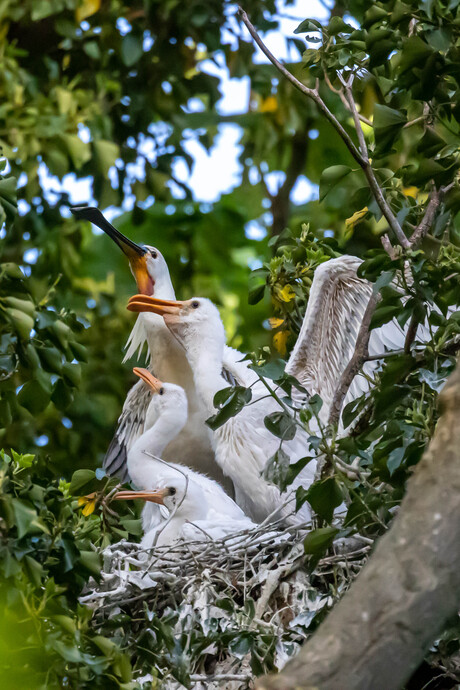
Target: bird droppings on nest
237, 607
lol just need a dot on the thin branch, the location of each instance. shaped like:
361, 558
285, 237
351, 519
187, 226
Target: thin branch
425, 224
343, 98
354, 365
411, 333
310, 93
360, 157
369, 172
388, 247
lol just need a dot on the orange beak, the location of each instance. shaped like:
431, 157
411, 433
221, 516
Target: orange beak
150, 496
140, 303
145, 283
155, 384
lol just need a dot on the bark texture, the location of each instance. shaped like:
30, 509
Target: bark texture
379, 632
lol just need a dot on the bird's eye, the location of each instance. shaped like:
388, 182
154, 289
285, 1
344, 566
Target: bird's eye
195, 304
161, 391
153, 253
172, 491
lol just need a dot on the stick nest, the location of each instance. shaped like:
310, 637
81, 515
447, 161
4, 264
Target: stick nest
214, 614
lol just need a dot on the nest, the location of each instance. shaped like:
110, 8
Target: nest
244, 589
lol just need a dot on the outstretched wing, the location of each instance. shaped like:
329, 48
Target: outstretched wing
130, 427
326, 342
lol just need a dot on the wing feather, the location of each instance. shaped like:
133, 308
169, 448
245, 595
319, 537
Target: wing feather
326, 342
130, 427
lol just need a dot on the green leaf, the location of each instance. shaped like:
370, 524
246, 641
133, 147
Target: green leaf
414, 53
274, 369
26, 518
131, 49
430, 143
22, 322
330, 177
107, 153
383, 314
395, 458
257, 284
78, 150
324, 497
233, 401
23, 460
91, 561
308, 25
79, 479
33, 397
8, 197
319, 540
387, 125
281, 425
338, 26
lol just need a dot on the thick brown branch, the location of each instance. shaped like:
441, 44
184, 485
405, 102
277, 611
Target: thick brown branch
379, 632
354, 365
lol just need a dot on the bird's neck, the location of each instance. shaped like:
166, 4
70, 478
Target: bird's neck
206, 365
149, 328
154, 441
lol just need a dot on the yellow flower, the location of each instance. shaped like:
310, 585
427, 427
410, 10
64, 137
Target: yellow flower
274, 322
279, 341
269, 105
286, 294
86, 8
89, 502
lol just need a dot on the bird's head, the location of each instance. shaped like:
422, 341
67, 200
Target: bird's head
166, 398
194, 322
147, 263
178, 493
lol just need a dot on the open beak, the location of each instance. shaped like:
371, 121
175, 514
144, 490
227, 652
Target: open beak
155, 384
157, 306
150, 496
135, 252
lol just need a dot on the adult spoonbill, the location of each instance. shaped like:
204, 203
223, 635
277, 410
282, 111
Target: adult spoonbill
193, 496
192, 446
338, 300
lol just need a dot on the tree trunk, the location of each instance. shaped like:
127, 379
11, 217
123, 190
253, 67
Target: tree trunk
280, 206
378, 634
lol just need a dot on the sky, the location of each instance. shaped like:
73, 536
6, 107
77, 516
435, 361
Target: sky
215, 172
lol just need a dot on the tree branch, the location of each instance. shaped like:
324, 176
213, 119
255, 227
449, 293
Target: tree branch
280, 201
369, 172
310, 93
360, 355
360, 157
425, 224
379, 632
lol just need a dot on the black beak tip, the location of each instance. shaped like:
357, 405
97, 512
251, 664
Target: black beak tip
85, 212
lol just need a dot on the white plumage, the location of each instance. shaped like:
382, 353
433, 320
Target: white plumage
194, 496
243, 444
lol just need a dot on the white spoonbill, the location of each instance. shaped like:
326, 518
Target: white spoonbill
326, 342
192, 446
204, 498
243, 444
190, 516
